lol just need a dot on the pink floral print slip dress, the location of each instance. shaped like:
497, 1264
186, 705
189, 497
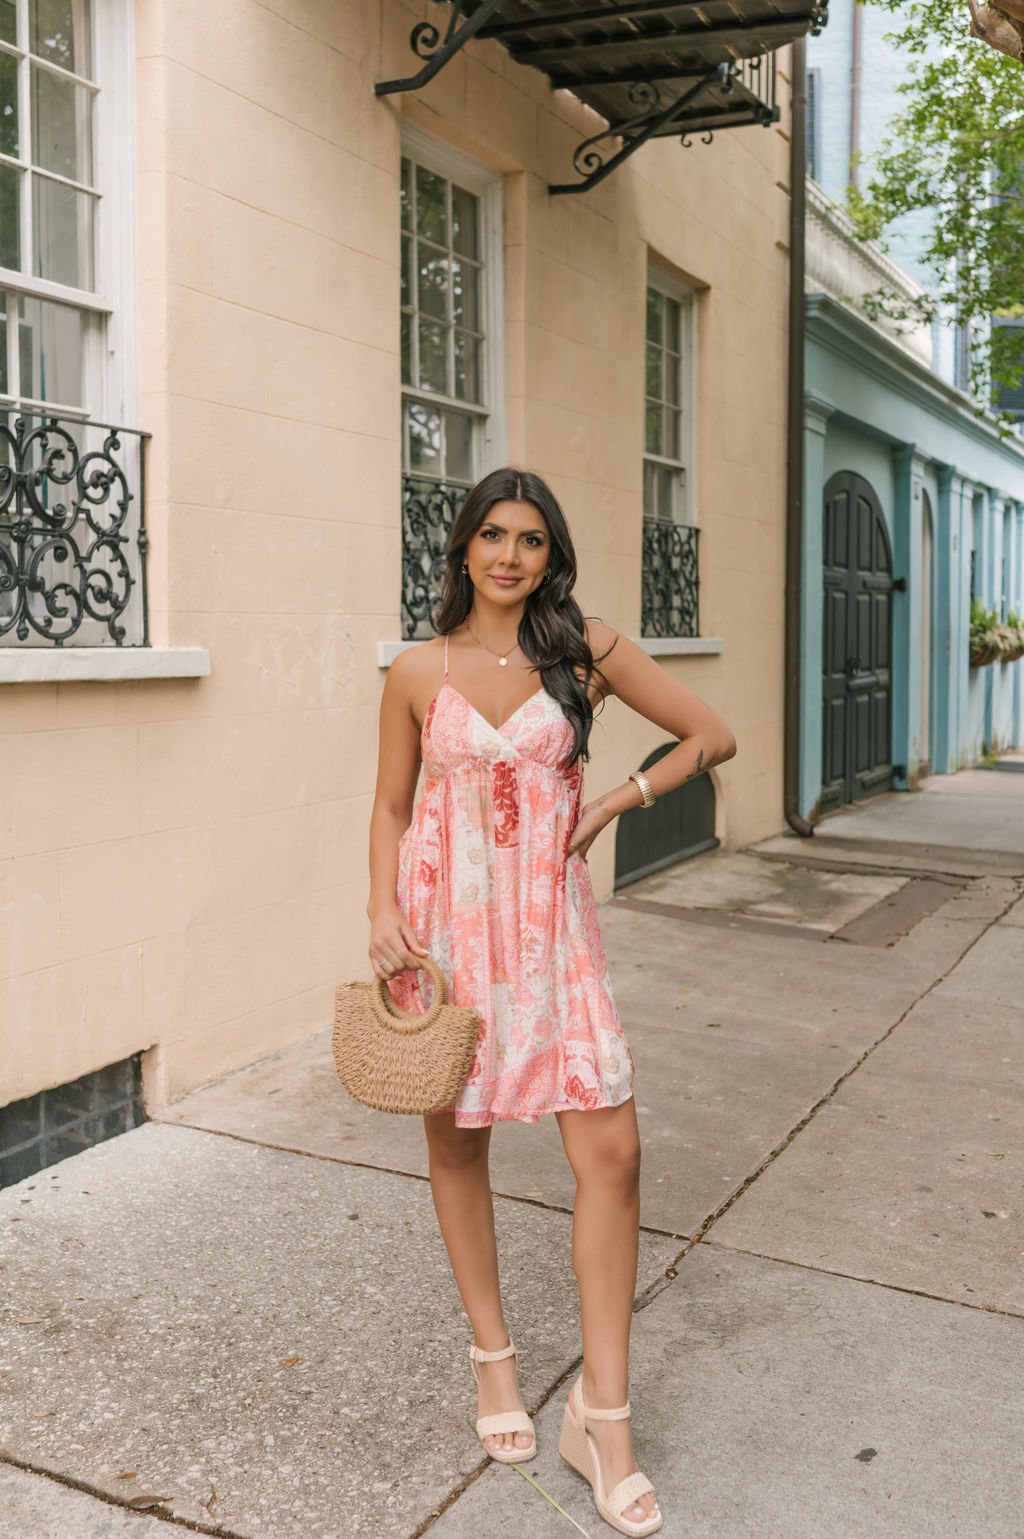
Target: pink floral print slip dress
485, 882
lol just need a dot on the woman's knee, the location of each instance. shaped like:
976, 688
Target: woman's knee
611, 1160
452, 1148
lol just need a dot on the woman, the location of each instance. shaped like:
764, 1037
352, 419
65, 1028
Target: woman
488, 874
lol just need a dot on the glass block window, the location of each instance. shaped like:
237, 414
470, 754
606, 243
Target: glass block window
48, 203
55, 1124
443, 341
668, 425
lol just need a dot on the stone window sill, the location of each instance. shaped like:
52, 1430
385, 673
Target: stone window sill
655, 646
69, 665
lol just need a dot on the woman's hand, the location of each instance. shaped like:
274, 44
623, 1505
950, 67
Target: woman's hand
592, 819
394, 945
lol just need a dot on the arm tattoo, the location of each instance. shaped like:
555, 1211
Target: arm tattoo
698, 767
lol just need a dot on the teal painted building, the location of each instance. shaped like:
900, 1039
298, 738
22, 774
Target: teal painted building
909, 497
912, 500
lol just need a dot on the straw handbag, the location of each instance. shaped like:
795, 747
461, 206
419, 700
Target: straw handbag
394, 1060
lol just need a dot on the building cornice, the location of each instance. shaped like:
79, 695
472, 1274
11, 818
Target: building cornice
857, 341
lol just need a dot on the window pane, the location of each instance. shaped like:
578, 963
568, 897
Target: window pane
10, 216
62, 224
465, 217
406, 195
652, 436
58, 30
458, 444
51, 352
653, 385
673, 370
406, 349
61, 125
8, 104
433, 358
672, 315
431, 206
667, 482
467, 367
464, 294
434, 281
655, 306
673, 434
8, 22
424, 439
650, 505
406, 271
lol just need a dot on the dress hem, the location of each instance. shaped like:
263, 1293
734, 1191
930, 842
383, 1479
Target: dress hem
487, 1119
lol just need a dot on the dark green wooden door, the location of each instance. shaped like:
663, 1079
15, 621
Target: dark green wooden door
857, 644
679, 825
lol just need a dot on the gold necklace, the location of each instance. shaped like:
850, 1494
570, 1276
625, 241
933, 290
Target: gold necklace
502, 657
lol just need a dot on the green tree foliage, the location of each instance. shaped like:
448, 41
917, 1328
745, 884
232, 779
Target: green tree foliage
955, 150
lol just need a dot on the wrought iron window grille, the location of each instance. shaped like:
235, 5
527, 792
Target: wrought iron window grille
649, 68
428, 512
671, 584
73, 536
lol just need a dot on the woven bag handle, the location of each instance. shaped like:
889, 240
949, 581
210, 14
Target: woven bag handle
391, 1014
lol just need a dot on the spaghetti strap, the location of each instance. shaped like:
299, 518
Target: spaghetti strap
446, 657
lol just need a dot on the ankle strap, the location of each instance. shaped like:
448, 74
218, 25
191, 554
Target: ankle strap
619, 1413
491, 1357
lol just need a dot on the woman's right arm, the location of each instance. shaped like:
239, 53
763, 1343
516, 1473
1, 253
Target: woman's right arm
398, 768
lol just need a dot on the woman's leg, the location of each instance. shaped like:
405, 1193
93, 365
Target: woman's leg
461, 1188
603, 1149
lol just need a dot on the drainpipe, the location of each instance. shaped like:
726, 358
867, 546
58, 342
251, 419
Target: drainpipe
855, 58
795, 446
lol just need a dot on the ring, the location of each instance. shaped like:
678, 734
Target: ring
382, 963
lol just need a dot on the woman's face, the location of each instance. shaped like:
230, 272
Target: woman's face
509, 553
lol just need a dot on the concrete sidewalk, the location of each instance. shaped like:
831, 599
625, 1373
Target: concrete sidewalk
239, 1316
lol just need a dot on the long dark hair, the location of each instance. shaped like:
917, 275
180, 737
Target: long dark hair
551, 631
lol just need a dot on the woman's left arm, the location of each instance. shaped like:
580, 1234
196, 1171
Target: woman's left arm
635, 678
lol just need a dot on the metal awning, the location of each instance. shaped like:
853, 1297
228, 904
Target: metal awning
650, 69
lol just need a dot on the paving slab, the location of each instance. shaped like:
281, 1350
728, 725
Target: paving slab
774, 1402
735, 1038
885, 856
737, 882
992, 972
38, 1507
970, 810
283, 1330
913, 1173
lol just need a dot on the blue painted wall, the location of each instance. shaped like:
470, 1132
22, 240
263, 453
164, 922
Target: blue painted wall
872, 409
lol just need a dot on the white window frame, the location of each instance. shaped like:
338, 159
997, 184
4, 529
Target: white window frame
490, 434
685, 511
110, 383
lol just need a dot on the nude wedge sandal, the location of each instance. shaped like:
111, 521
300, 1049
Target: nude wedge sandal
579, 1450
502, 1421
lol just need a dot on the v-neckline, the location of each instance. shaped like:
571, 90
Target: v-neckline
501, 725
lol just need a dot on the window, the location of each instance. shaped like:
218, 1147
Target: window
451, 331
814, 124
66, 274
670, 539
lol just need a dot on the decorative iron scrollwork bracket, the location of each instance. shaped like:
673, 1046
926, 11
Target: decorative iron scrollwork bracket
636, 131
425, 42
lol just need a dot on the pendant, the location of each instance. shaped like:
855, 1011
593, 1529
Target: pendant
502, 662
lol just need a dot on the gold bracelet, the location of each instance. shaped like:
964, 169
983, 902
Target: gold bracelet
646, 789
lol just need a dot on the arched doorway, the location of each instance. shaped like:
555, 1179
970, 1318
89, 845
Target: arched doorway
679, 825
857, 645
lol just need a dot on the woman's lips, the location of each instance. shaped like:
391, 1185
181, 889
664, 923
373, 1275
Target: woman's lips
506, 582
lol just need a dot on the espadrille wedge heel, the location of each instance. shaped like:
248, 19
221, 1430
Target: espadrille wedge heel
578, 1449
502, 1421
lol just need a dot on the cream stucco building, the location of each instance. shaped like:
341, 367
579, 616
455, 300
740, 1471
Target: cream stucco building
213, 220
